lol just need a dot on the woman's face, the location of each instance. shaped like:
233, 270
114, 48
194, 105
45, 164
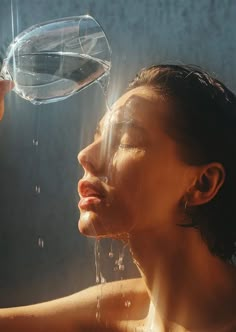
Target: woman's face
134, 179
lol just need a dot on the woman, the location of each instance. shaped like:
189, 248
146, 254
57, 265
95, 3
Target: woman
160, 175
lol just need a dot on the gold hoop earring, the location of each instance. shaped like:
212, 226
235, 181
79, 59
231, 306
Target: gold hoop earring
186, 217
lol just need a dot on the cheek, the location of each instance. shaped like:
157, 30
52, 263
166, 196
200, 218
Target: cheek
128, 172
146, 186
127, 167
146, 190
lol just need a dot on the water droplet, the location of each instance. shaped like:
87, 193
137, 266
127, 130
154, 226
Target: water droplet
104, 179
121, 267
98, 316
37, 189
40, 242
103, 280
97, 280
127, 303
111, 254
35, 142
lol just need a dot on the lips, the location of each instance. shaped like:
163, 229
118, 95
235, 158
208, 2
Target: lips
91, 193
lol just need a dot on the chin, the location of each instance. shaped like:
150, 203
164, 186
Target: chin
91, 225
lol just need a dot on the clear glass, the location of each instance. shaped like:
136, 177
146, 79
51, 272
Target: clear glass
51, 61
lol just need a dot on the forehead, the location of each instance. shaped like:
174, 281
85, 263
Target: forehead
140, 105
143, 93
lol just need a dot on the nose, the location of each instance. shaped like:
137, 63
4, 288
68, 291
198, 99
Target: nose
91, 158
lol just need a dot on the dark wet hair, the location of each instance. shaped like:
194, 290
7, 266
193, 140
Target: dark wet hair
203, 121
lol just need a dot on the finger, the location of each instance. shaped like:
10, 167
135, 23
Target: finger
5, 86
1, 108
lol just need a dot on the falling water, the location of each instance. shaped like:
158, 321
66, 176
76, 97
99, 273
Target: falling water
111, 253
119, 263
97, 254
99, 276
37, 167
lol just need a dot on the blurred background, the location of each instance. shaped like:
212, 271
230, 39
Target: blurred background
42, 254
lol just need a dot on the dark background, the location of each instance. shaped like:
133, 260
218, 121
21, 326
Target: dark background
141, 33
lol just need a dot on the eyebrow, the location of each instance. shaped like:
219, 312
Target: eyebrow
133, 101
130, 124
120, 124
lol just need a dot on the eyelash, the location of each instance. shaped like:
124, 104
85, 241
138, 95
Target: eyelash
117, 138
126, 146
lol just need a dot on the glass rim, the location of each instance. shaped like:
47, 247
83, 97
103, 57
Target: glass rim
63, 19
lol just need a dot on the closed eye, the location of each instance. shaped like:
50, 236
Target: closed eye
126, 146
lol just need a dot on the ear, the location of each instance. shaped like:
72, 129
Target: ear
207, 184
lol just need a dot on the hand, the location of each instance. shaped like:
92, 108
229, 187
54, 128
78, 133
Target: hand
5, 86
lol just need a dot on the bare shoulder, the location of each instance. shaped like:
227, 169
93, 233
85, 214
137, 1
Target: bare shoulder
126, 299
112, 306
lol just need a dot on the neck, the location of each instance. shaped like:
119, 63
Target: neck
187, 285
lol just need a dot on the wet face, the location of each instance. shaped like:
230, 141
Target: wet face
134, 179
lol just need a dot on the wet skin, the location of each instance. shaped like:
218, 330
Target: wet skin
134, 188
145, 178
